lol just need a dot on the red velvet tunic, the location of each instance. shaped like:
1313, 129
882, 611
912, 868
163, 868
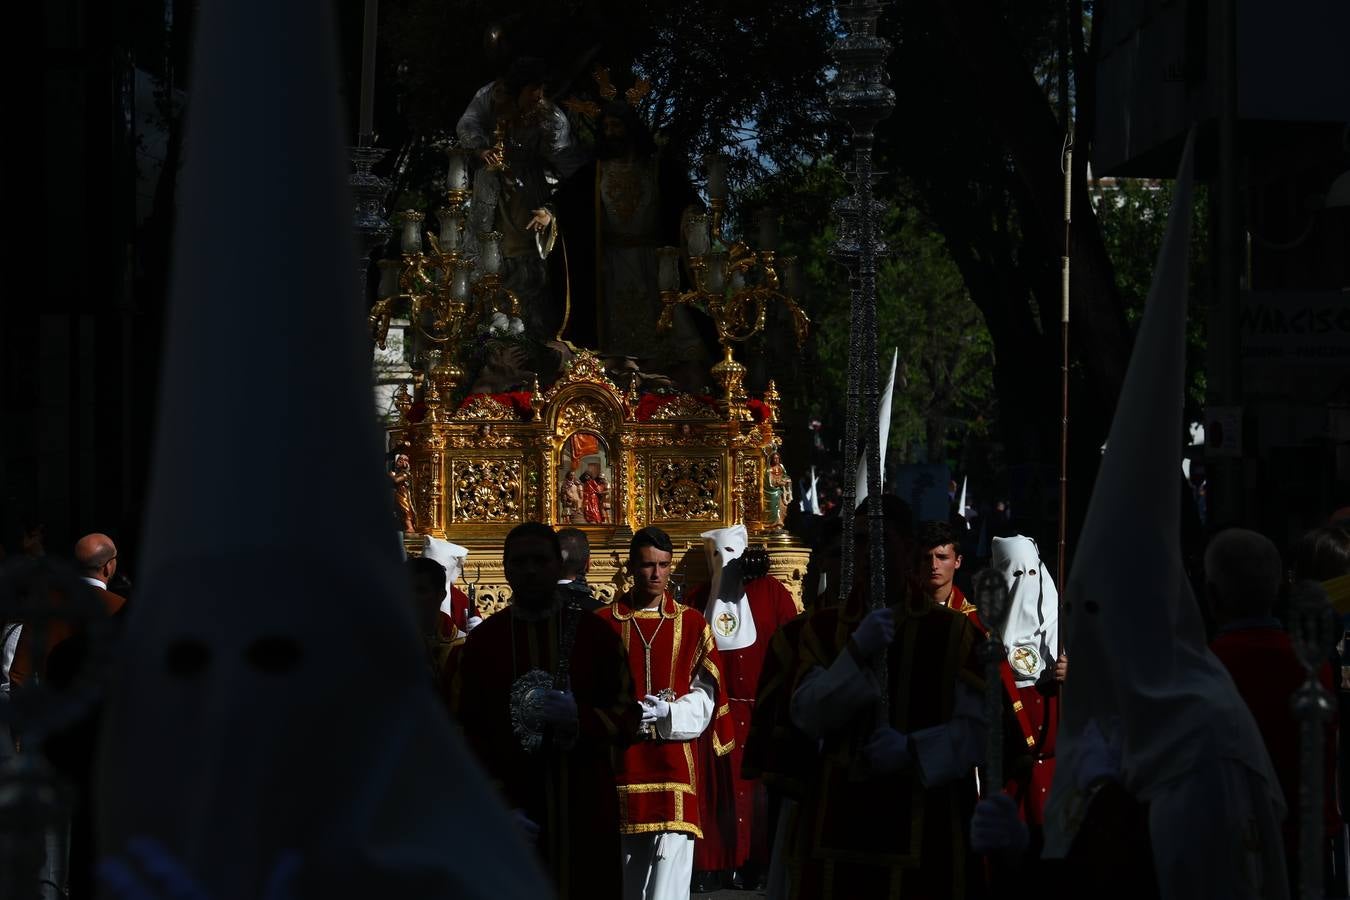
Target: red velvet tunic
1037, 716
887, 836
568, 792
1267, 671
659, 781
735, 808
459, 616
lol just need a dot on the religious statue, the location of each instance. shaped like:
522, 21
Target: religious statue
593, 492
570, 499
526, 147
636, 199
778, 490
400, 473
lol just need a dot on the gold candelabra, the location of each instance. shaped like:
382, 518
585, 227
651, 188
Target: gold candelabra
735, 284
435, 286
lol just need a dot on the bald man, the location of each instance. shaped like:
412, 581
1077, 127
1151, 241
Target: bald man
96, 559
1243, 573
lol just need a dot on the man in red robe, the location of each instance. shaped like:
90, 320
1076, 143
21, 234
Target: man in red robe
677, 674
745, 609
1243, 572
563, 785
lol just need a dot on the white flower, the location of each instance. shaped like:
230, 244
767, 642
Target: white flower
516, 327
499, 323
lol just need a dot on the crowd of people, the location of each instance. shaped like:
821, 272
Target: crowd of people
725, 740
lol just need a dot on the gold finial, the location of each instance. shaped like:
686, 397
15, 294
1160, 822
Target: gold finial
632, 398
537, 399
433, 401
771, 399
402, 402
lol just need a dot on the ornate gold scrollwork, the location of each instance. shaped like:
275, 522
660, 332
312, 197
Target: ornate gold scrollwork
584, 368
748, 490
686, 406
484, 407
486, 490
639, 491
687, 488
584, 414
485, 436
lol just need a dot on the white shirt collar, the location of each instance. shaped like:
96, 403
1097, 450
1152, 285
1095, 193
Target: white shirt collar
94, 581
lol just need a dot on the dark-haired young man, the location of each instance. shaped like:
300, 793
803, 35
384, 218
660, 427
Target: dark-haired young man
938, 548
551, 750
676, 673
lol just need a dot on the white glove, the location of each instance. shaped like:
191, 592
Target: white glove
654, 709
472, 623
887, 752
529, 829
875, 632
1098, 754
997, 827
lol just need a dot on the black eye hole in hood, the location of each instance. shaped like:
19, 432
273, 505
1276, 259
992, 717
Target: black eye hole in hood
274, 655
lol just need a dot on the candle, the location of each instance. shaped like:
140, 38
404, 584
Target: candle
411, 241
768, 228
696, 238
667, 271
715, 164
715, 279
459, 284
490, 252
367, 120
457, 177
452, 227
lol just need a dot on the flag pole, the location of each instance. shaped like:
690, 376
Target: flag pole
1066, 164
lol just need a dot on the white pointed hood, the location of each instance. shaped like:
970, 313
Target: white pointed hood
882, 434
1138, 658
732, 624
1031, 634
452, 557
274, 700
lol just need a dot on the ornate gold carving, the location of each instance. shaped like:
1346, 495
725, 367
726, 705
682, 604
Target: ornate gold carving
748, 489
485, 436
639, 491
584, 414
685, 406
682, 435
584, 368
687, 489
533, 512
486, 490
422, 505
484, 407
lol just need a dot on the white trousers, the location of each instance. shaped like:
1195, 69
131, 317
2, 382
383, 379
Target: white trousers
657, 866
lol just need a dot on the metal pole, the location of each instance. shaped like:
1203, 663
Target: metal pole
1060, 563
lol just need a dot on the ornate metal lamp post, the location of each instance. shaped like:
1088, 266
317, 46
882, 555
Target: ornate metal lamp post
369, 190
861, 98
1313, 629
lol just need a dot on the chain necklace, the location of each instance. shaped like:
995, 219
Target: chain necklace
647, 646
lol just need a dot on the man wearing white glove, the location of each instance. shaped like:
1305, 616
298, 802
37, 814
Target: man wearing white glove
676, 674
915, 760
